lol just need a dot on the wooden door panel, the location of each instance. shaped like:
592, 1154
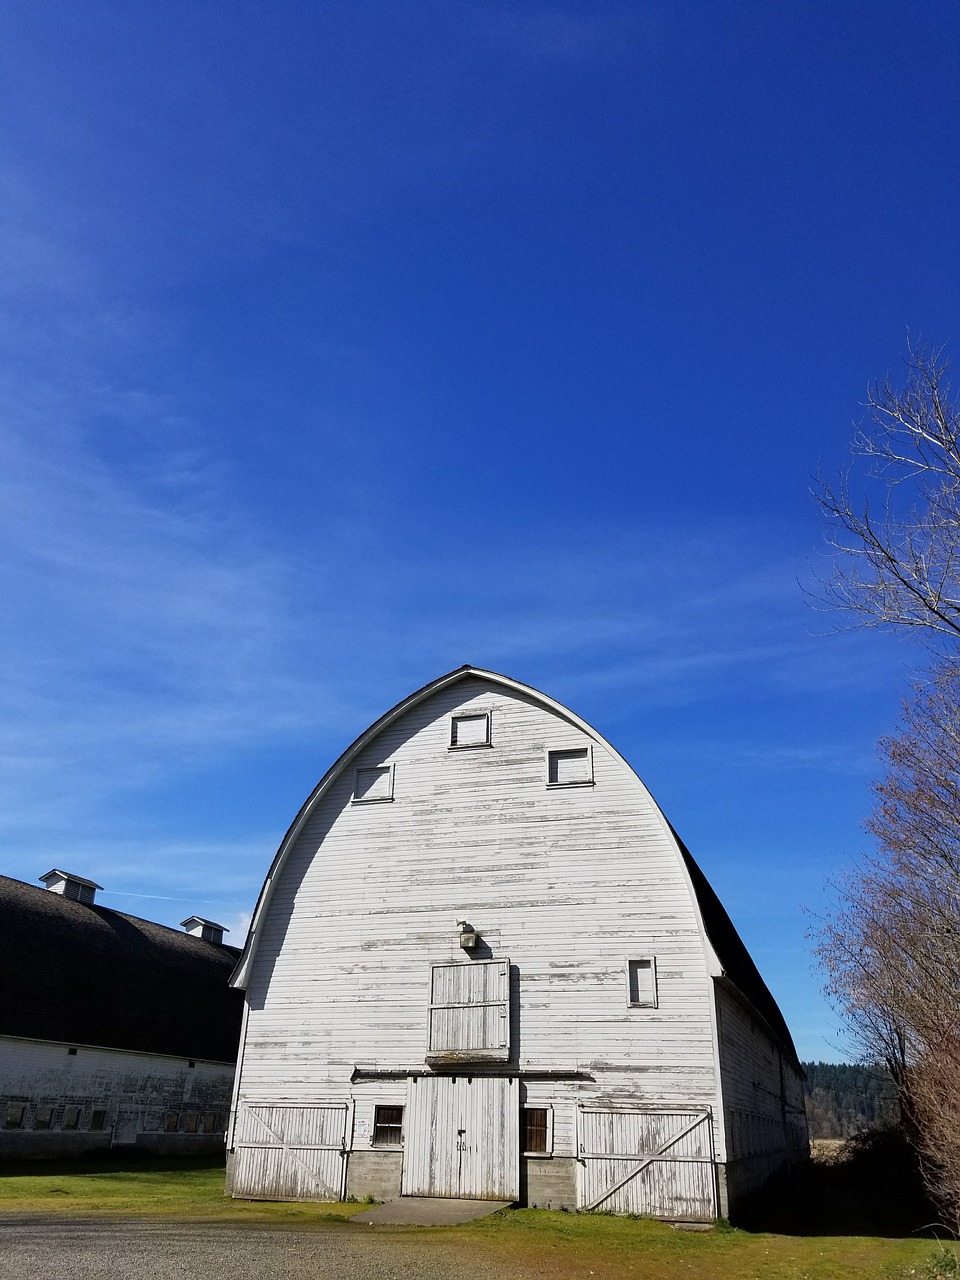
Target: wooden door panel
657, 1164
462, 1138
290, 1153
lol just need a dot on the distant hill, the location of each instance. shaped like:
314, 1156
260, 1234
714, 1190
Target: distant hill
843, 1099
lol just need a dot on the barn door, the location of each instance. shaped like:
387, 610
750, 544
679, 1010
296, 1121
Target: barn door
659, 1164
469, 1016
462, 1138
290, 1153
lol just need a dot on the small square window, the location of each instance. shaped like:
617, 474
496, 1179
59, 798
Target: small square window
373, 784
642, 983
570, 768
98, 1120
387, 1126
192, 1119
43, 1118
171, 1122
210, 1122
15, 1113
470, 729
71, 1118
537, 1132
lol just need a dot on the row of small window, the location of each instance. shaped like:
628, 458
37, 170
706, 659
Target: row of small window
565, 768
193, 1122
44, 1118
571, 767
72, 1118
536, 1130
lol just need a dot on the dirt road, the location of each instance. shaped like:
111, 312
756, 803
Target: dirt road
41, 1249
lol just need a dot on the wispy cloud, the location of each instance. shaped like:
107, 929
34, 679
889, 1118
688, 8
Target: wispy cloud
565, 34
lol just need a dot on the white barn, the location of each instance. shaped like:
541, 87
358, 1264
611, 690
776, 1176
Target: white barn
484, 965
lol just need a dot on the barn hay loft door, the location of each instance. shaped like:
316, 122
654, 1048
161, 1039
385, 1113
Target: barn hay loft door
290, 1153
462, 1138
655, 1163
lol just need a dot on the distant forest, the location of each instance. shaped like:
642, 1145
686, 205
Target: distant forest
843, 1099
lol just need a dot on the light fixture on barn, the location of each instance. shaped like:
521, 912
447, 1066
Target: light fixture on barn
468, 935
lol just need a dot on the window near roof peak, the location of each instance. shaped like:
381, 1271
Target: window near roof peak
570, 767
470, 729
373, 783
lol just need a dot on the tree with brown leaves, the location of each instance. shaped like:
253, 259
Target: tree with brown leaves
892, 949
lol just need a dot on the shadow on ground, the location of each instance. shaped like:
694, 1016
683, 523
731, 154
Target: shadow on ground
118, 1162
871, 1186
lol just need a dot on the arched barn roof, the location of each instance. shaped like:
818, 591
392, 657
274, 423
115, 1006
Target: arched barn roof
83, 974
730, 959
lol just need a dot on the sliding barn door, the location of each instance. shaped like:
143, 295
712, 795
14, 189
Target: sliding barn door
655, 1163
290, 1153
462, 1138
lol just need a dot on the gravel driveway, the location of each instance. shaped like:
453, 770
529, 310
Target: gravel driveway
137, 1250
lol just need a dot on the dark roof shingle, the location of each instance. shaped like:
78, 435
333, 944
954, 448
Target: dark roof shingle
89, 975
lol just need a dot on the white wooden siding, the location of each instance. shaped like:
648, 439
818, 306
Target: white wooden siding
137, 1090
762, 1090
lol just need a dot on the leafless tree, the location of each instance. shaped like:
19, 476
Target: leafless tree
897, 548
891, 950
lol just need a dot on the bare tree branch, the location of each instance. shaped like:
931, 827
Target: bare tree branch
901, 568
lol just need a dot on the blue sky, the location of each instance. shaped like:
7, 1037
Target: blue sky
345, 343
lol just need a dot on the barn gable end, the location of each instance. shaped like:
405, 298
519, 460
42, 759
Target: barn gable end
479, 967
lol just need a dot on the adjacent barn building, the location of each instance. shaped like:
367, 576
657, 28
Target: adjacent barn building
113, 1031
484, 965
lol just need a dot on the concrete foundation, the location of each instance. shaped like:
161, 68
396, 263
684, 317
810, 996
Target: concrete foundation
548, 1183
374, 1173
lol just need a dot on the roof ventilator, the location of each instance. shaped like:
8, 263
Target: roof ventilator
208, 930
71, 886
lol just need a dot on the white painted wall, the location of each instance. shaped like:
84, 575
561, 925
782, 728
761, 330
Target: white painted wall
762, 1090
136, 1090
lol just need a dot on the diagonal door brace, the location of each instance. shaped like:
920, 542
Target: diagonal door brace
648, 1159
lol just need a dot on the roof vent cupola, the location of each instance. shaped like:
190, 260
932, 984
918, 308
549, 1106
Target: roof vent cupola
70, 886
208, 930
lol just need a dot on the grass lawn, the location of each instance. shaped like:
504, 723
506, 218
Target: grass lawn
567, 1245
560, 1245
181, 1189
